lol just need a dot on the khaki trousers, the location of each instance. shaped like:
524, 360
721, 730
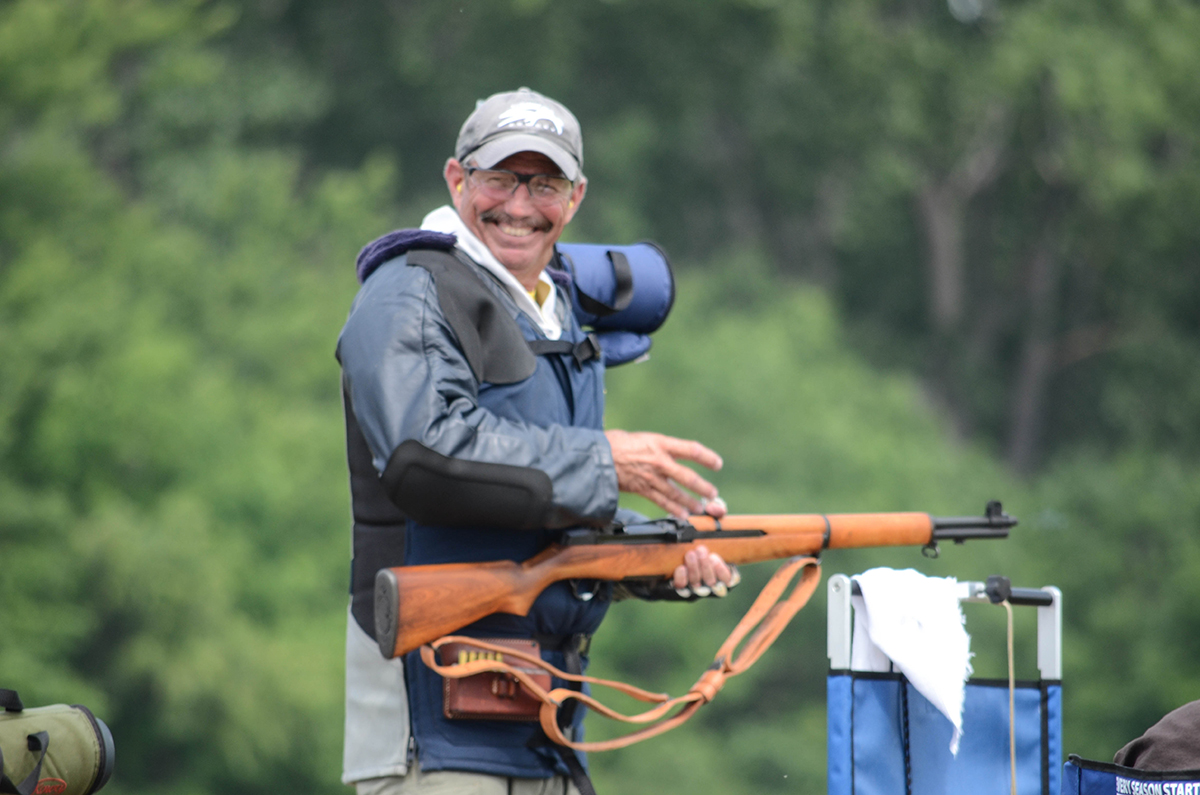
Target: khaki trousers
453, 782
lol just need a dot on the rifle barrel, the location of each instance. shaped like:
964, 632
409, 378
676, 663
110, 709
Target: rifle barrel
994, 523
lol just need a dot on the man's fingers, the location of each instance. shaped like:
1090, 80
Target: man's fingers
663, 463
697, 560
692, 561
647, 464
701, 572
692, 577
690, 450
664, 501
716, 507
720, 569
708, 572
669, 497
690, 479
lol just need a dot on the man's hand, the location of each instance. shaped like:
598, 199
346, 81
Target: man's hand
704, 573
647, 465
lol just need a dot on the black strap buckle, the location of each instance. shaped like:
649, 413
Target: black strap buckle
586, 350
583, 351
10, 700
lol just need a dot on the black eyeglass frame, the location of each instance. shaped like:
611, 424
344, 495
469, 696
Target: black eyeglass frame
525, 179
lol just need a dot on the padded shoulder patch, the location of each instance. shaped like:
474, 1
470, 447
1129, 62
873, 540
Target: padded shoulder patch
491, 340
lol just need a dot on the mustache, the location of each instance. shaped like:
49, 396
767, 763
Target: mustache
498, 216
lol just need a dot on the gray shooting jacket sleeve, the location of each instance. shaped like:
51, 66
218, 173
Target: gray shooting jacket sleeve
407, 379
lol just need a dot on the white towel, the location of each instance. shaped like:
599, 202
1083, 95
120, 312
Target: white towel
916, 623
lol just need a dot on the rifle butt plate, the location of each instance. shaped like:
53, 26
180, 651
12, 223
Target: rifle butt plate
387, 602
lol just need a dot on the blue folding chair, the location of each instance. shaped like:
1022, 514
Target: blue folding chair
885, 738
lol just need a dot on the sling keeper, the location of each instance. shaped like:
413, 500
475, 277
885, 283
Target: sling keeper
474, 403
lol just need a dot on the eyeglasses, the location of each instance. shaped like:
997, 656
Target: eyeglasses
500, 184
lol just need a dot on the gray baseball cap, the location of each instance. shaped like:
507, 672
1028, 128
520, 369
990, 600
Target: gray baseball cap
521, 121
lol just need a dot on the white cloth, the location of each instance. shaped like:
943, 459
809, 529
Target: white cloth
446, 219
376, 735
916, 623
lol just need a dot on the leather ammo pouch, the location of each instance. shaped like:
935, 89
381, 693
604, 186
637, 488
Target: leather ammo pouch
54, 750
492, 695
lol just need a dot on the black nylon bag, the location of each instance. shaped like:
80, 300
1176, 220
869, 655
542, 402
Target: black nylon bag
56, 750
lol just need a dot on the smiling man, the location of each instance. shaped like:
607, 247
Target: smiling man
474, 419
519, 227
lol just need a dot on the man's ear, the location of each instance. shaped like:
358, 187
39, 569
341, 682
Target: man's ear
576, 198
456, 179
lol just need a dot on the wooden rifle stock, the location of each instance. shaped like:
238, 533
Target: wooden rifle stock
418, 604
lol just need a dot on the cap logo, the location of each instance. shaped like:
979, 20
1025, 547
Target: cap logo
531, 114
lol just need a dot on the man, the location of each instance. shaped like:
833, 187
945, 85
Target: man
475, 432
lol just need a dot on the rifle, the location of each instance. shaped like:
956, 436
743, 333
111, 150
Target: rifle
415, 605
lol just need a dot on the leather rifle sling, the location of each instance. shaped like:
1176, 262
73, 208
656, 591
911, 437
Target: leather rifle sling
767, 617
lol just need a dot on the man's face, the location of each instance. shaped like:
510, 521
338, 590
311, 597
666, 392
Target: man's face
520, 233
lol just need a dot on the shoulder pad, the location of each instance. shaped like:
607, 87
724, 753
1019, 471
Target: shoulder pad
491, 340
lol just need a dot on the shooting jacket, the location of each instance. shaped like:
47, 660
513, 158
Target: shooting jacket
420, 388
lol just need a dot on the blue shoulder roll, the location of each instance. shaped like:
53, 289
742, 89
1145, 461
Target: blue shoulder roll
624, 293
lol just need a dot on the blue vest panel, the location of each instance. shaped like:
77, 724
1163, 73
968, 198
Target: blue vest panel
561, 392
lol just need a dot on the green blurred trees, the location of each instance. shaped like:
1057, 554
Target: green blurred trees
909, 246
170, 465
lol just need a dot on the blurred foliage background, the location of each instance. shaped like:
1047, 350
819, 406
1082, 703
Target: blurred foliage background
929, 253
